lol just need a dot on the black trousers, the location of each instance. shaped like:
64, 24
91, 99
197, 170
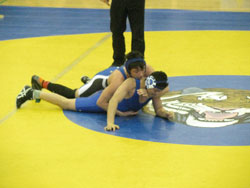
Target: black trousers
119, 12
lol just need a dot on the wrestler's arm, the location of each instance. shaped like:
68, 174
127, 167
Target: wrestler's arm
107, 94
115, 80
118, 96
160, 111
157, 104
149, 70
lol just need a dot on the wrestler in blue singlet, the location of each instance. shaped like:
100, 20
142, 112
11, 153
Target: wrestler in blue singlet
88, 104
109, 70
121, 69
99, 81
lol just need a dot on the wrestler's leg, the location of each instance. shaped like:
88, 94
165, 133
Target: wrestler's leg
97, 83
39, 83
63, 102
28, 93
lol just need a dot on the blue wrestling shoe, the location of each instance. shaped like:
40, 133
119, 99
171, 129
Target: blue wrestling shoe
24, 95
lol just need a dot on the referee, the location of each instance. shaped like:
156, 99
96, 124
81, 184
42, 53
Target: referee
120, 10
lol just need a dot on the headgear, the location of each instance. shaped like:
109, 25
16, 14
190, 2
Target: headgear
132, 60
151, 82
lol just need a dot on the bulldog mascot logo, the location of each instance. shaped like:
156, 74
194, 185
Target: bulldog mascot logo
207, 107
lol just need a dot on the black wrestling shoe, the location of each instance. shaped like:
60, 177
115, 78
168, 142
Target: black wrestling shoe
24, 95
35, 82
85, 79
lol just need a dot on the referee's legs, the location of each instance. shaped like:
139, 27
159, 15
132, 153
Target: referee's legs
118, 15
136, 19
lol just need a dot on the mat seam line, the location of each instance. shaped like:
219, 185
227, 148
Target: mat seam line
66, 70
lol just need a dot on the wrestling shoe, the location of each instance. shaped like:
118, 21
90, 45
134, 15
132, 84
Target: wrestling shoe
24, 95
85, 79
36, 82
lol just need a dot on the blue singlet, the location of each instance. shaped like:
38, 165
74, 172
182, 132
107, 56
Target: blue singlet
88, 104
109, 70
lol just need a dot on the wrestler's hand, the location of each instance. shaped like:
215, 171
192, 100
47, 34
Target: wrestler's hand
142, 92
111, 127
106, 2
127, 113
170, 115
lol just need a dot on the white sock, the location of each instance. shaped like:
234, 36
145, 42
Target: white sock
36, 94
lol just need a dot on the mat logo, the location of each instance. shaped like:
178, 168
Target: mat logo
207, 107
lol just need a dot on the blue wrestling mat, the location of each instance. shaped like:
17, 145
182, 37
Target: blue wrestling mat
207, 116
76, 21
